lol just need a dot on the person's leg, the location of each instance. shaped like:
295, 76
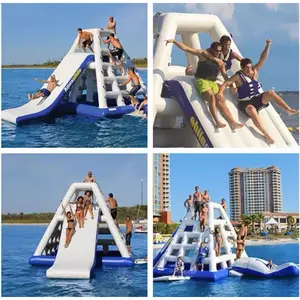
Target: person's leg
181, 271
209, 97
252, 112
67, 237
89, 46
78, 217
83, 47
71, 235
271, 95
36, 95
85, 211
221, 104
202, 267
91, 210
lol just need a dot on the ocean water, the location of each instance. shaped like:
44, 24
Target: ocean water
19, 279
239, 286
69, 131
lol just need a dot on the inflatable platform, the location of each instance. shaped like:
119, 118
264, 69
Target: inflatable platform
88, 85
99, 243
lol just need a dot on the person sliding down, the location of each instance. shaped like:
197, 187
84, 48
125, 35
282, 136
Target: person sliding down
251, 97
136, 85
209, 67
52, 83
179, 266
86, 38
70, 230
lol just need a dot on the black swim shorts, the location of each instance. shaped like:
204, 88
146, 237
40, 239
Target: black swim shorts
134, 90
113, 213
117, 52
128, 238
87, 42
256, 101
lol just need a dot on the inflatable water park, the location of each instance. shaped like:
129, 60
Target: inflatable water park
177, 103
188, 238
88, 85
98, 244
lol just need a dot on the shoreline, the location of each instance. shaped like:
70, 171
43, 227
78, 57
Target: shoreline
49, 68
32, 224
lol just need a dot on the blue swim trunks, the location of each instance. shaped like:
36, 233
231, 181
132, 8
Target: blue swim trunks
145, 108
45, 92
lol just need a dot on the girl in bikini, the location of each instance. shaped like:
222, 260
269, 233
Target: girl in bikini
218, 240
71, 226
240, 245
88, 204
203, 216
79, 211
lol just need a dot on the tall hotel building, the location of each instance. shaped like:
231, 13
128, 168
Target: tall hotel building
254, 191
161, 188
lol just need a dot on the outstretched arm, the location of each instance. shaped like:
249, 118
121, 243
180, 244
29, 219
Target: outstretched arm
236, 56
105, 42
263, 56
223, 72
127, 81
79, 40
226, 84
196, 52
40, 80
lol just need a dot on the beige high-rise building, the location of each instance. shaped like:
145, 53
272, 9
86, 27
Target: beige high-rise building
161, 187
254, 191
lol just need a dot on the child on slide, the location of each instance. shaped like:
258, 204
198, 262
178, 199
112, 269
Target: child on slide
179, 266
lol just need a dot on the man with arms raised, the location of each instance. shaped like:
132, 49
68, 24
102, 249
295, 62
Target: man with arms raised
112, 25
208, 69
86, 38
251, 97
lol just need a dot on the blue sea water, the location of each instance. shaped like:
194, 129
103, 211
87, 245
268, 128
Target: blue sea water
19, 279
69, 131
239, 286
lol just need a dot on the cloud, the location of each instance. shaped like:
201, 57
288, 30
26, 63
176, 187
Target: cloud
272, 6
292, 30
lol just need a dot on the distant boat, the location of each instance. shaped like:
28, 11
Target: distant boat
141, 228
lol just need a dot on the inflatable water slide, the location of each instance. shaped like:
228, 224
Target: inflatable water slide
88, 85
185, 243
176, 99
99, 243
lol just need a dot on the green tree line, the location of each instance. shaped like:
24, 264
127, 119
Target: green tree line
52, 63
135, 212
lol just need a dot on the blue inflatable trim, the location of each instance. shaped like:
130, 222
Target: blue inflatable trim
111, 261
48, 110
286, 272
196, 275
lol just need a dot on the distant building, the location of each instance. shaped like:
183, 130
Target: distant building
161, 188
281, 218
254, 191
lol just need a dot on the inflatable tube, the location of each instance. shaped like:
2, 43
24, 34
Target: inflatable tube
171, 278
257, 267
196, 275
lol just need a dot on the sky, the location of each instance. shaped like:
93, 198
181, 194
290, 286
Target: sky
34, 33
210, 172
251, 25
38, 182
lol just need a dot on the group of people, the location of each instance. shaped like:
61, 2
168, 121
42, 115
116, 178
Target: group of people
213, 63
199, 201
84, 204
115, 54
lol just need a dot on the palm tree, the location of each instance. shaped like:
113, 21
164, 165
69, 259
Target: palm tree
291, 222
253, 219
260, 219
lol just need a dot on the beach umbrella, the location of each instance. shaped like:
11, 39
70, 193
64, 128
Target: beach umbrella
272, 222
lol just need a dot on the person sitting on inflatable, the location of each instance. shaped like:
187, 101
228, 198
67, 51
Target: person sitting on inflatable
202, 253
270, 264
179, 266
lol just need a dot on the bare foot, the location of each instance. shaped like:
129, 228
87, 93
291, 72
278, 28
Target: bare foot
292, 111
236, 125
220, 125
269, 139
29, 97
